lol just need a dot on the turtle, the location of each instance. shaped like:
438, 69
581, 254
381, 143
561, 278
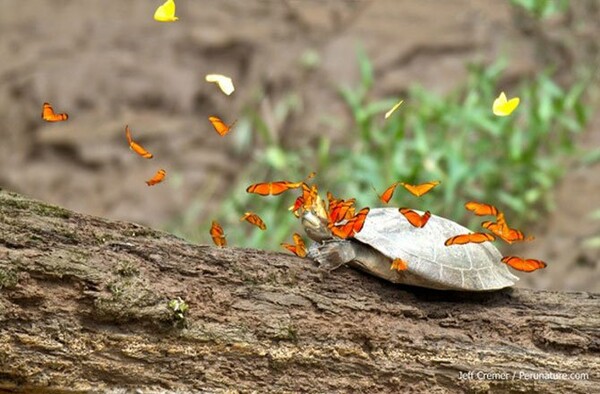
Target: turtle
387, 235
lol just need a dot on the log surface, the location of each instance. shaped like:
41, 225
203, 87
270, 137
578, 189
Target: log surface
84, 306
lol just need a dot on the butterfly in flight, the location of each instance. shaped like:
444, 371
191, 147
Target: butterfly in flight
157, 178
217, 234
504, 107
166, 12
421, 189
388, 193
49, 115
298, 248
225, 83
220, 127
394, 108
134, 146
481, 209
254, 219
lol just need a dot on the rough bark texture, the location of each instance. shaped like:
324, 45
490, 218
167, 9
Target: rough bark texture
84, 306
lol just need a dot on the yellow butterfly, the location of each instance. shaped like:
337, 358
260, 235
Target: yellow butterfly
504, 107
395, 107
166, 12
225, 83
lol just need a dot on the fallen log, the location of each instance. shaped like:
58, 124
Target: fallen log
94, 304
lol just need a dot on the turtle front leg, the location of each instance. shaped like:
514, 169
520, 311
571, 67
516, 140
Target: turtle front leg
332, 254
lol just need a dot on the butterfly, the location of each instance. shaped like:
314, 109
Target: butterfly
525, 265
394, 108
481, 209
217, 234
137, 148
166, 12
399, 265
504, 107
49, 115
299, 247
275, 188
419, 190
469, 238
386, 196
220, 127
272, 188
225, 83
157, 178
351, 226
414, 218
254, 219
338, 210
297, 205
501, 229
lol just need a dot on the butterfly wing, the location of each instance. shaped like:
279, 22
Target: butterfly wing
217, 234
414, 218
166, 12
469, 238
525, 265
225, 83
254, 219
49, 115
220, 127
157, 178
421, 189
481, 209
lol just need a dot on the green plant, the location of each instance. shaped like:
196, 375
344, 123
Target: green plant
179, 308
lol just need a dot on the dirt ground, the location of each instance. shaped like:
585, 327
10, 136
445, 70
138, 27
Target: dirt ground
109, 64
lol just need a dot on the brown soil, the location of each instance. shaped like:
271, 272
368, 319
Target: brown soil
110, 64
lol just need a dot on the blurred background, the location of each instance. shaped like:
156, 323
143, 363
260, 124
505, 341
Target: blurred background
313, 80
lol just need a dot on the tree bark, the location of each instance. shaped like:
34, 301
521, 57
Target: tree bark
84, 305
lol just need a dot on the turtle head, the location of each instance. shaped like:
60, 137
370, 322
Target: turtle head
314, 221
315, 226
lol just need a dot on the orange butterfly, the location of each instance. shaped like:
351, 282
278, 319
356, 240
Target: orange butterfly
217, 234
297, 205
481, 209
386, 196
49, 116
414, 218
469, 238
501, 229
339, 210
399, 265
299, 247
272, 188
220, 127
352, 225
276, 188
525, 265
419, 190
157, 178
309, 195
134, 146
254, 219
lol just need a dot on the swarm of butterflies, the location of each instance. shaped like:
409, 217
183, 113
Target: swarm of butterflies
342, 218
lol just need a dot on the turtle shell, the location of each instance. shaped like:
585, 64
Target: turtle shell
432, 264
